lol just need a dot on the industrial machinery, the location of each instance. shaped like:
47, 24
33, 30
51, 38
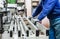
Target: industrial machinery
14, 24
23, 28
2, 12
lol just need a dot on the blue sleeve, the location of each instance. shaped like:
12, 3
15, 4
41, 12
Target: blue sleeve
46, 9
38, 10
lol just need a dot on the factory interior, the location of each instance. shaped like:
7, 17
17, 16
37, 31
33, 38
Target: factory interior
16, 21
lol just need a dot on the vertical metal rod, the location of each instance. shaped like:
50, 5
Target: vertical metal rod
1, 25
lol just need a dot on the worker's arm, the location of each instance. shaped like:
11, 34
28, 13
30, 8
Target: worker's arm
46, 9
38, 10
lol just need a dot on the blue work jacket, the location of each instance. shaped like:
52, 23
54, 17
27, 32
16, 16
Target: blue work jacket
49, 8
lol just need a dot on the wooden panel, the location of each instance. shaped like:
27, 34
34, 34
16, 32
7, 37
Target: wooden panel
28, 7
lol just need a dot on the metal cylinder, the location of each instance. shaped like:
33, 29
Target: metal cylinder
1, 23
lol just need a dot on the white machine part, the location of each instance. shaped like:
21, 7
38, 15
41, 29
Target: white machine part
19, 8
2, 3
12, 5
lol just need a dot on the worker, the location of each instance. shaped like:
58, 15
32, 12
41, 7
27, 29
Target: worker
51, 9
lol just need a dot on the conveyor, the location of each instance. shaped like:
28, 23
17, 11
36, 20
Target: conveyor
32, 28
23, 28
